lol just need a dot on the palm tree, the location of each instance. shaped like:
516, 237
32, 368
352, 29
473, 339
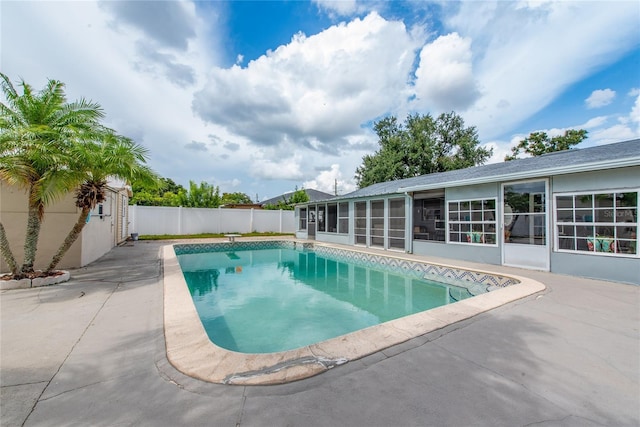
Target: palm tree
37, 131
113, 156
6, 252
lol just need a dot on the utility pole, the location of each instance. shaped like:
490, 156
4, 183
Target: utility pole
335, 187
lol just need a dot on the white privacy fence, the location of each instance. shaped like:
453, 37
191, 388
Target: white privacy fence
153, 220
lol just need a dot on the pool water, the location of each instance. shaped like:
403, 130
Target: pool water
271, 300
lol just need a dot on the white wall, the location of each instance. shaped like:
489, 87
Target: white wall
154, 220
97, 238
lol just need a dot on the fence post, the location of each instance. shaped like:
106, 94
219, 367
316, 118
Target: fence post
179, 220
251, 221
280, 228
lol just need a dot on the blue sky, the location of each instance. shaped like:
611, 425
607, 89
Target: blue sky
261, 97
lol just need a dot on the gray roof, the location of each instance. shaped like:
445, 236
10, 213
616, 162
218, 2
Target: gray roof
600, 157
314, 195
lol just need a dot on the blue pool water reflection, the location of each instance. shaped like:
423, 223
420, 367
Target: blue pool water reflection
271, 300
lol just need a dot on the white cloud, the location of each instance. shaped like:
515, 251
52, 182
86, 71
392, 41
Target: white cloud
196, 146
169, 24
615, 133
326, 181
104, 62
444, 78
502, 149
601, 131
634, 116
233, 183
309, 104
626, 127
527, 54
272, 168
316, 91
600, 98
231, 146
594, 122
337, 7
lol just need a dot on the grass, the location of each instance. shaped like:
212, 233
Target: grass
206, 235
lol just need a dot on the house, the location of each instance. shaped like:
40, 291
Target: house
107, 226
573, 212
313, 196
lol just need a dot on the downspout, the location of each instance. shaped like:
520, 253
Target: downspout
410, 223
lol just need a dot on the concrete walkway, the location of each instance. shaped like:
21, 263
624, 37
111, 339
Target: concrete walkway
91, 352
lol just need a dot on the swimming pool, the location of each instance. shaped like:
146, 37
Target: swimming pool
280, 298
191, 351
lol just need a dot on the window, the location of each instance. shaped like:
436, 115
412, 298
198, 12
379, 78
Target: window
303, 219
360, 231
332, 218
600, 223
428, 217
396, 223
472, 221
376, 226
322, 225
343, 218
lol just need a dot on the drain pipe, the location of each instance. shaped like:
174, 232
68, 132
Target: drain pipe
409, 222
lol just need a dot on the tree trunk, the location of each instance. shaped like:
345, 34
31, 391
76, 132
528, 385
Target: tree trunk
70, 239
31, 240
7, 254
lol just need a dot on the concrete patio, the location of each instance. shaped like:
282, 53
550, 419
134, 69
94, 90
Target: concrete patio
91, 352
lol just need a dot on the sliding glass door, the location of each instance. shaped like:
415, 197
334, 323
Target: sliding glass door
525, 224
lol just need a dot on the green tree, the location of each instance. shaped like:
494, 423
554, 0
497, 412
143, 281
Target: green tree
288, 204
37, 132
164, 192
298, 196
236, 199
204, 195
422, 145
113, 156
539, 143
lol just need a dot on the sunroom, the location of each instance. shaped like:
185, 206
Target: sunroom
572, 212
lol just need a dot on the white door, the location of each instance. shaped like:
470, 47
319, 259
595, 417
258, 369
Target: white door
525, 224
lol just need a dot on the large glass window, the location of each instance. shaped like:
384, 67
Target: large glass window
303, 219
396, 223
332, 218
360, 231
376, 226
343, 218
600, 223
429, 217
472, 221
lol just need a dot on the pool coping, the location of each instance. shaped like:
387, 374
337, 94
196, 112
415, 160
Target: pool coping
190, 350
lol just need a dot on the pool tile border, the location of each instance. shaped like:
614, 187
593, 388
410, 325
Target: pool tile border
476, 282
190, 351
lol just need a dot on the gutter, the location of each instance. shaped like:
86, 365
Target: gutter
588, 167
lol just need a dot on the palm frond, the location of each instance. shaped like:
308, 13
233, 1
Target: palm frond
7, 88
